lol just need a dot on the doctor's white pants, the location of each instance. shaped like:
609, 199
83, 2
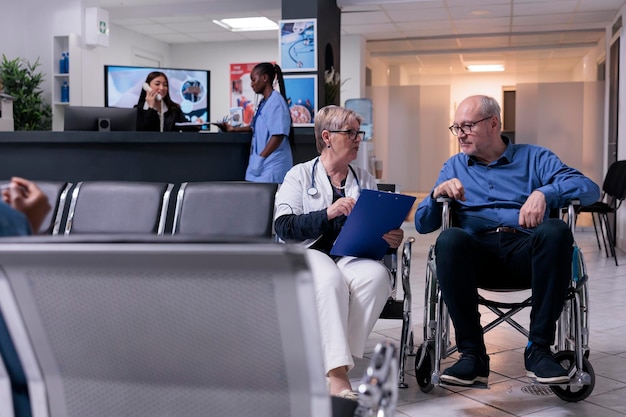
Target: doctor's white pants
350, 295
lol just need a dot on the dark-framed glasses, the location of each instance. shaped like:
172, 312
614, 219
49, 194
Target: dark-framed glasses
352, 134
466, 127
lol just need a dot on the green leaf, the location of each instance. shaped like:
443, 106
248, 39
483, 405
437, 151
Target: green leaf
22, 80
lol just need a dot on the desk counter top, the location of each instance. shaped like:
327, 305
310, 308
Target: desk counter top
123, 137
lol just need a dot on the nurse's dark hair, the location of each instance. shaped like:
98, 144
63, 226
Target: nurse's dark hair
274, 72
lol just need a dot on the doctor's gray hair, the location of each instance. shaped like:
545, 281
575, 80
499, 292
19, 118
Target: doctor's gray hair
333, 118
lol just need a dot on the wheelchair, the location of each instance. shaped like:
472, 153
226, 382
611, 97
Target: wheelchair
400, 308
572, 350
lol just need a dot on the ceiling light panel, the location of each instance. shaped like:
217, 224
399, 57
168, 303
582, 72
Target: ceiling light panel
243, 24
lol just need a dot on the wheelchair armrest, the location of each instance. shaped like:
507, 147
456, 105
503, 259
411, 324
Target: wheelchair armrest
569, 212
406, 267
445, 212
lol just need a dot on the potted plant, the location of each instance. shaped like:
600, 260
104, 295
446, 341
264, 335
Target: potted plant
332, 85
21, 79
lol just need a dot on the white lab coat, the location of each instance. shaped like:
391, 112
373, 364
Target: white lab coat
293, 197
350, 292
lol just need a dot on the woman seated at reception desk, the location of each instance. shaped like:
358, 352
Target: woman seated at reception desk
156, 111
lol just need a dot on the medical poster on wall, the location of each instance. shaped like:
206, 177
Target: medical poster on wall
242, 95
297, 45
302, 98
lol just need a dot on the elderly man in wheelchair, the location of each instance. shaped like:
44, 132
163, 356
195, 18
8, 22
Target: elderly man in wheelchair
502, 238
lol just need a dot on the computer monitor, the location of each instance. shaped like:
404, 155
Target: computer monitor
103, 119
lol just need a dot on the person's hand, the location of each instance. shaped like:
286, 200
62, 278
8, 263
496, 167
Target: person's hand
532, 212
394, 238
151, 98
224, 125
451, 188
24, 195
342, 207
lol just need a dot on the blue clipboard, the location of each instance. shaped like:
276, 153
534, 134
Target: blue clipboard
374, 214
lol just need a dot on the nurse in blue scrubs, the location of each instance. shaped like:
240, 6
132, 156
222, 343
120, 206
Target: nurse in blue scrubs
271, 152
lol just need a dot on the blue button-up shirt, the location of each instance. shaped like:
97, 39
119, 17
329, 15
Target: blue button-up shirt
494, 193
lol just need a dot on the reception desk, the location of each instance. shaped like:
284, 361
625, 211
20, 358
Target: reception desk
132, 156
127, 156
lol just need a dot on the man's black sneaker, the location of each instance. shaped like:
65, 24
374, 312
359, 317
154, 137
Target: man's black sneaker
541, 365
468, 370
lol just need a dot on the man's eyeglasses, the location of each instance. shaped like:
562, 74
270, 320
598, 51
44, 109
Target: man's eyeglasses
352, 134
466, 128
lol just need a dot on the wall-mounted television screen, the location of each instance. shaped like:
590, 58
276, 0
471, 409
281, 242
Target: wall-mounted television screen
122, 87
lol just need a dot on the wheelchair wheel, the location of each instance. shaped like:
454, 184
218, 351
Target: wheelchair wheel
423, 373
572, 393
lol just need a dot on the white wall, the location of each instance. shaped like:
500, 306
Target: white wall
586, 70
353, 62
408, 133
27, 28
566, 118
217, 57
124, 46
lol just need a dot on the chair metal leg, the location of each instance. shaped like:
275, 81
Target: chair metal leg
595, 229
609, 236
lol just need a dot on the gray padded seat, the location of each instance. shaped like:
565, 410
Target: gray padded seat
240, 209
118, 207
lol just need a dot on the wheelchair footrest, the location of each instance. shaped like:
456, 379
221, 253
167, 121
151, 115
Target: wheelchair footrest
479, 385
394, 309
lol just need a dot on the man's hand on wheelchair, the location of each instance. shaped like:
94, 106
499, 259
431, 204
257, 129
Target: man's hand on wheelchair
451, 189
532, 212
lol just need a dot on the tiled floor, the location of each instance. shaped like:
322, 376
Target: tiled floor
508, 386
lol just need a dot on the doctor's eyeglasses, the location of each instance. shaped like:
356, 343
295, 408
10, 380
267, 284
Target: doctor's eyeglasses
352, 134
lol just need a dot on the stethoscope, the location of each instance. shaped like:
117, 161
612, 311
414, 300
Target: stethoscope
312, 190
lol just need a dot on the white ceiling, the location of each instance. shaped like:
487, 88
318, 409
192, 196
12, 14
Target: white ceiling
424, 36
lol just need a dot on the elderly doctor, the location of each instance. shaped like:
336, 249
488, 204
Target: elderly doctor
311, 207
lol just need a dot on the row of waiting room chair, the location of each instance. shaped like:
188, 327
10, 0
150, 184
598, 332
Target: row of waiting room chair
229, 209
220, 210
239, 209
216, 211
